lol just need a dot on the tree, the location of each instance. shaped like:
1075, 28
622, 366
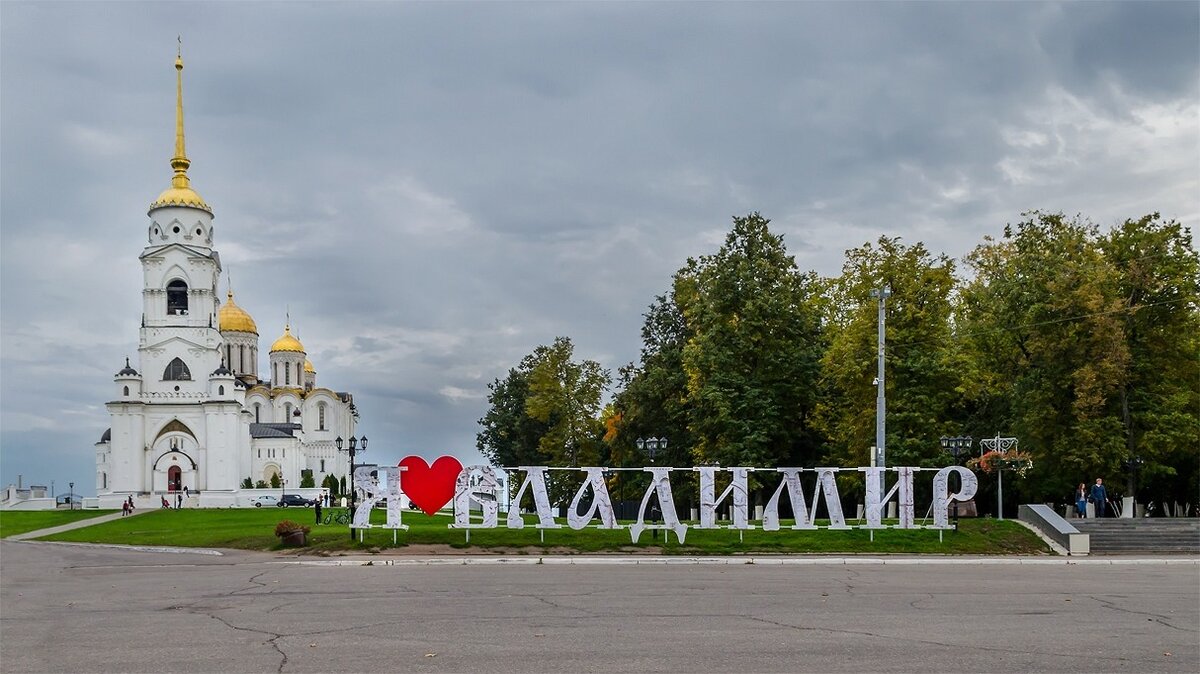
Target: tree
753, 353
546, 411
306, 479
275, 482
1158, 402
920, 359
1043, 329
330, 482
247, 484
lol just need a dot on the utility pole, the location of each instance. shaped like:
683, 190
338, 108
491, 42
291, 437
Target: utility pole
880, 398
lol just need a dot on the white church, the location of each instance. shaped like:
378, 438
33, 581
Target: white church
194, 413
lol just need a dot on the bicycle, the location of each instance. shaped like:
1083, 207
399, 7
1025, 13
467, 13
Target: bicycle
339, 516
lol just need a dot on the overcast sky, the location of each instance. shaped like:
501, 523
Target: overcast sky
436, 189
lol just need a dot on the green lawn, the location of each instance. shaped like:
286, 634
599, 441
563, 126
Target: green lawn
254, 530
14, 522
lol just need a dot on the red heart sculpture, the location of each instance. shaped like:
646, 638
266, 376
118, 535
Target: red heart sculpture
429, 487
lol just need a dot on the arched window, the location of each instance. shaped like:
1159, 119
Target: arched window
287, 413
287, 375
220, 390
242, 359
126, 390
299, 374
257, 413
177, 370
104, 480
177, 298
321, 417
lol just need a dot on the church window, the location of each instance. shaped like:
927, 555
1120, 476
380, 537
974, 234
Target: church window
177, 298
257, 415
321, 418
299, 376
287, 375
322, 465
220, 390
104, 480
242, 359
175, 229
126, 390
199, 231
260, 453
177, 370
287, 413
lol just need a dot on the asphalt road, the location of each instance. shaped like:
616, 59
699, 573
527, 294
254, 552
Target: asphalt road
84, 609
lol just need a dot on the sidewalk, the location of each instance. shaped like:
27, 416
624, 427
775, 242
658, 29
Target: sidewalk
73, 525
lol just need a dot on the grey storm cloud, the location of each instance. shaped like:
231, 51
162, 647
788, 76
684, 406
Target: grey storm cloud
433, 189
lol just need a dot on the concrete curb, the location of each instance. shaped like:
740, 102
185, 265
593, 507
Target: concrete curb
744, 561
133, 548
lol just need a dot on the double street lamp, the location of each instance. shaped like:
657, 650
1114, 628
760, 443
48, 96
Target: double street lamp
352, 449
957, 446
651, 446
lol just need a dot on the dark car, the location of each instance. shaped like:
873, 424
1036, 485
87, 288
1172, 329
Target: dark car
293, 500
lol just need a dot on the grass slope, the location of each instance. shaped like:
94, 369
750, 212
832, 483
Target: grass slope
14, 522
254, 530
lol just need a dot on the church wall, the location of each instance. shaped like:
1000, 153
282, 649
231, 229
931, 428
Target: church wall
223, 426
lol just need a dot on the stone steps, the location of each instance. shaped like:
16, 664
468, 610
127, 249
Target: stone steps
1147, 535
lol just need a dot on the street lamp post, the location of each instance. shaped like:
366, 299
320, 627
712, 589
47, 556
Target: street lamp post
880, 398
957, 446
352, 449
72, 484
1002, 445
651, 446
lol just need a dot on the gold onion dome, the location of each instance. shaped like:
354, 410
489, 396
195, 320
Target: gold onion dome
180, 193
287, 342
232, 317
308, 367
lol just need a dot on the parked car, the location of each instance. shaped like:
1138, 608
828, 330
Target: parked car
294, 500
265, 500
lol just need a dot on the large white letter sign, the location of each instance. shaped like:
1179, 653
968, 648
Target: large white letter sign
601, 503
874, 505
942, 496
535, 478
483, 493
709, 502
372, 494
826, 484
660, 482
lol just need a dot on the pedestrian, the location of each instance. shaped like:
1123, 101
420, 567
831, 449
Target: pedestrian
164, 502
317, 507
130, 504
1081, 497
124, 508
186, 493
178, 500
1099, 497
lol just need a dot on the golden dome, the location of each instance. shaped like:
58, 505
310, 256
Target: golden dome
287, 342
180, 196
308, 367
232, 317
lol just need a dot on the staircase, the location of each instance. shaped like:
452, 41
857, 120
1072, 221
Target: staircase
1147, 535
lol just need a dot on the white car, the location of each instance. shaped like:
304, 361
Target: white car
265, 500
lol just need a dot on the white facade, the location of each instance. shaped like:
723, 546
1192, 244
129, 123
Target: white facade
194, 412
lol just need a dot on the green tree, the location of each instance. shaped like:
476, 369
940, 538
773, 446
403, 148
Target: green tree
247, 484
920, 359
1044, 334
275, 483
753, 350
330, 482
509, 436
566, 395
1158, 402
306, 479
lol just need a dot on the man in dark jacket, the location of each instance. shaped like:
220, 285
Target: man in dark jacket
1099, 497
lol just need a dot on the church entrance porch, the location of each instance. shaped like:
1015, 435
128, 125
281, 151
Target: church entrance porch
174, 479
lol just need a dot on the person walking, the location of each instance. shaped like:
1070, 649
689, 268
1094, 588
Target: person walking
317, 508
130, 502
1081, 497
124, 508
1099, 497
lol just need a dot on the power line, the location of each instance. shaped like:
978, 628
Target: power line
1052, 321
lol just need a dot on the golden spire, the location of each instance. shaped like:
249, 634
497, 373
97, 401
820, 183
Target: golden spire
180, 161
180, 193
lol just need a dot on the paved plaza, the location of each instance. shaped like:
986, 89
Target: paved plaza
74, 608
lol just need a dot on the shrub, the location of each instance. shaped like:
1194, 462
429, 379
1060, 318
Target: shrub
247, 484
287, 527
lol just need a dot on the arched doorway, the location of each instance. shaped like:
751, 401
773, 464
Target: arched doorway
174, 479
